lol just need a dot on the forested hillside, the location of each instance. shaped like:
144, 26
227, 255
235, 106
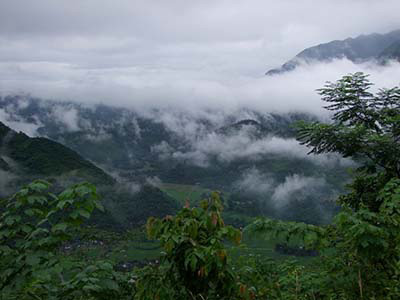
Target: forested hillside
252, 157
47, 254
24, 159
43, 157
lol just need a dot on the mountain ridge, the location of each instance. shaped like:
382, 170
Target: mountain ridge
357, 50
40, 156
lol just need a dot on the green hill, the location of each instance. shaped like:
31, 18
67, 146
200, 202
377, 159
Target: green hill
43, 157
23, 159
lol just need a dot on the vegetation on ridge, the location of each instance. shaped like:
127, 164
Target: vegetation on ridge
41, 156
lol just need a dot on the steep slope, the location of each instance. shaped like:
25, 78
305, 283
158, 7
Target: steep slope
359, 49
43, 157
23, 159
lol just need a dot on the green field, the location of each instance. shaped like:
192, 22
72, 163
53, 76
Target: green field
134, 247
183, 192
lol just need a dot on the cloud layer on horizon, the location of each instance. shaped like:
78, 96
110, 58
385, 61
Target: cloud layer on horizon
230, 35
187, 91
179, 54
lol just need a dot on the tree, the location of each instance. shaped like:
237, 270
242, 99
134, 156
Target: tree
33, 227
361, 249
366, 127
195, 262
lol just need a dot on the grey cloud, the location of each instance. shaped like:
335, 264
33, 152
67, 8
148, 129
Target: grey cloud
234, 36
295, 184
9, 118
154, 181
187, 58
185, 90
68, 116
204, 147
294, 188
6, 183
163, 149
98, 137
256, 182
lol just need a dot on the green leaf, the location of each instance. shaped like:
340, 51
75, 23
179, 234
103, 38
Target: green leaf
109, 284
84, 213
10, 220
27, 229
60, 227
39, 185
32, 259
193, 263
32, 199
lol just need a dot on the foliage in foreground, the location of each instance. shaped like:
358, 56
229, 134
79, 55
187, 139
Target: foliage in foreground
33, 227
359, 252
195, 262
361, 249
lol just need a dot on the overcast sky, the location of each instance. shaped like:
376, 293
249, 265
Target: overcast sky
166, 51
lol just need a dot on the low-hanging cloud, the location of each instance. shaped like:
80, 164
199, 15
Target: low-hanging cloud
17, 123
192, 92
256, 182
294, 187
296, 184
6, 183
242, 145
67, 116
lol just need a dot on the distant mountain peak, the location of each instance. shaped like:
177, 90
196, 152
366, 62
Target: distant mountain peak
359, 49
